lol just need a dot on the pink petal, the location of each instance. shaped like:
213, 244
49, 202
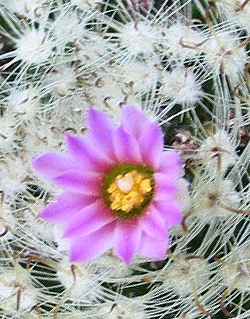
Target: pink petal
89, 220
170, 212
126, 147
83, 149
127, 239
165, 187
51, 165
85, 249
165, 180
165, 194
171, 164
151, 145
154, 225
153, 248
75, 183
134, 121
101, 130
65, 207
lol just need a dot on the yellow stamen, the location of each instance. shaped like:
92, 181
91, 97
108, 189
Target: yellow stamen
129, 191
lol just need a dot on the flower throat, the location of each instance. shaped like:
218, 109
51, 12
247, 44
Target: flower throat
128, 190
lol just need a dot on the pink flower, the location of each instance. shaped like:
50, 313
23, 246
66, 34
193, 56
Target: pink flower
120, 188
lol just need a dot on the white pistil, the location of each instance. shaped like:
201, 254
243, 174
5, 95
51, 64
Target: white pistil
125, 183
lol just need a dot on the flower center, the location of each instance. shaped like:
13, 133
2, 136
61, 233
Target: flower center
128, 190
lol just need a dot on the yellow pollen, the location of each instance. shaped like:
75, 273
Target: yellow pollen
128, 191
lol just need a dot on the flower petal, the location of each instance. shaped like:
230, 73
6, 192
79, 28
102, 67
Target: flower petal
171, 164
51, 165
170, 212
65, 207
153, 248
165, 187
134, 121
75, 183
165, 180
89, 156
85, 249
151, 145
127, 239
126, 147
101, 130
89, 220
154, 225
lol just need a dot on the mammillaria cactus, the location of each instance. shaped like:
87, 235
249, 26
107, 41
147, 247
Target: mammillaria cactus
124, 172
